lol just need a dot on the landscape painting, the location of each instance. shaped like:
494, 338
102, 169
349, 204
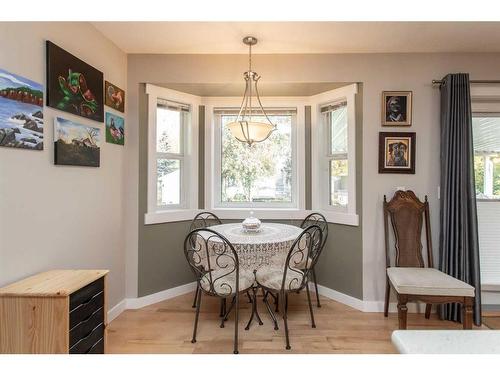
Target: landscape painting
21, 112
114, 96
76, 144
115, 129
73, 85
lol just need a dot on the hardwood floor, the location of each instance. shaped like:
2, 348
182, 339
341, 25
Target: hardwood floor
167, 327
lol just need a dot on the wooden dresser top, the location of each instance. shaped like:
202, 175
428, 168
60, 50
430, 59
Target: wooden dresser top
56, 283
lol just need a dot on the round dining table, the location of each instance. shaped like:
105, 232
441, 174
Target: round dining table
267, 246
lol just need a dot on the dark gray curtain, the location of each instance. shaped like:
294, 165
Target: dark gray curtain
458, 241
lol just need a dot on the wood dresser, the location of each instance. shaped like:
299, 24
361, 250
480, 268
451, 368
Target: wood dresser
60, 311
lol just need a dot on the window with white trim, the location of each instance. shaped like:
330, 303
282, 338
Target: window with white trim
334, 155
261, 175
334, 118
172, 154
171, 120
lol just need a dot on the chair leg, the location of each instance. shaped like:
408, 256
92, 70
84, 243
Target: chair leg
198, 304
467, 312
428, 308
387, 295
195, 296
273, 317
222, 307
402, 311
226, 313
236, 324
284, 297
313, 324
316, 287
277, 302
249, 297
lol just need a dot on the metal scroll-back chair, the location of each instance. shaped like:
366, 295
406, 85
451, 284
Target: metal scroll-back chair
316, 219
204, 220
214, 262
289, 278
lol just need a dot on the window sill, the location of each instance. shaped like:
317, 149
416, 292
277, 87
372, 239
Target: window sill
341, 218
261, 213
240, 213
169, 216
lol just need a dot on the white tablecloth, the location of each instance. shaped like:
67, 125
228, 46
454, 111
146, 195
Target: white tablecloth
268, 246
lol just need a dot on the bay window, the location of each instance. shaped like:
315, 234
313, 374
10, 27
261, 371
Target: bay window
268, 177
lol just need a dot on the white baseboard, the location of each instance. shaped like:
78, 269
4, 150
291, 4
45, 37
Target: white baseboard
365, 306
356, 303
137, 303
117, 310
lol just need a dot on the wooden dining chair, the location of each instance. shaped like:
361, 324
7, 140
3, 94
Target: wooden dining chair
411, 279
319, 220
216, 266
288, 278
204, 220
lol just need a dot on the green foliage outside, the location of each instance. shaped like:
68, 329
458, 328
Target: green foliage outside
479, 174
243, 165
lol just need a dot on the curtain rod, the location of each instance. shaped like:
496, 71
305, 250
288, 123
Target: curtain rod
440, 81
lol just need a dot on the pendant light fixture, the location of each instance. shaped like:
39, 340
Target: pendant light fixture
249, 126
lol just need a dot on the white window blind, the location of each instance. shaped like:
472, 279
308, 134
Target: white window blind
488, 215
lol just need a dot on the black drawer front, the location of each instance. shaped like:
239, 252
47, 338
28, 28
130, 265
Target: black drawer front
86, 293
97, 348
85, 310
86, 326
86, 344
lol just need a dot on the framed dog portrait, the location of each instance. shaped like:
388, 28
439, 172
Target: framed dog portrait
396, 108
396, 152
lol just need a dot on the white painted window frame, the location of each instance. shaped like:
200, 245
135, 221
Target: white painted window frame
293, 210
189, 159
319, 150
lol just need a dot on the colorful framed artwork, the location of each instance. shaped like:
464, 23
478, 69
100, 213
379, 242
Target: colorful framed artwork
396, 152
73, 85
21, 112
114, 96
76, 144
396, 108
115, 129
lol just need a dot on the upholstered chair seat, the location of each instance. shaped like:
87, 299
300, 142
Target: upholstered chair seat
224, 284
427, 281
271, 277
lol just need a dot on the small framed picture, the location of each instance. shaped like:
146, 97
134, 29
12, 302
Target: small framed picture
396, 152
396, 108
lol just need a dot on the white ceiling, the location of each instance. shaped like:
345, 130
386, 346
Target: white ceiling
302, 37
265, 88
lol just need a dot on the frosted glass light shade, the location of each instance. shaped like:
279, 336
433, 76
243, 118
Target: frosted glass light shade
250, 131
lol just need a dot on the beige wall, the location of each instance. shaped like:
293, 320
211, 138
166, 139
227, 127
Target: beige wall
61, 216
377, 72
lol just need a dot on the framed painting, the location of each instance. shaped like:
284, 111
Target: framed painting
115, 129
114, 96
396, 108
76, 144
396, 152
73, 85
21, 112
